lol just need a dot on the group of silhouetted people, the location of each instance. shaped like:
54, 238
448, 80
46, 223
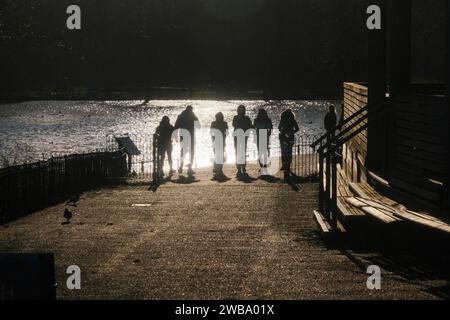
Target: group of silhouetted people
262, 125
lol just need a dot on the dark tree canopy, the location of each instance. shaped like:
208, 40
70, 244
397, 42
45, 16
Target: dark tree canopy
284, 47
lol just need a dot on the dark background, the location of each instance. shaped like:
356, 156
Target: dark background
286, 48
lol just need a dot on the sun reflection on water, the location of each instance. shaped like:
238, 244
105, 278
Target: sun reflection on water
65, 127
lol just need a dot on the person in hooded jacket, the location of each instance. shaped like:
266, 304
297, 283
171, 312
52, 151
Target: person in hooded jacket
241, 122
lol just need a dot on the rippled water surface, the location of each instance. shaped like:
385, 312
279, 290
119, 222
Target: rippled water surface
32, 130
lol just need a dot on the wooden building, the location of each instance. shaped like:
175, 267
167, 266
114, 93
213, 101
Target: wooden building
395, 140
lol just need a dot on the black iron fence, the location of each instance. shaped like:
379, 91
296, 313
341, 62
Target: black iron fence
142, 156
139, 151
29, 187
305, 160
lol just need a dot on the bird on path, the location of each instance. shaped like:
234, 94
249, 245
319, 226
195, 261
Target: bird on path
67, 215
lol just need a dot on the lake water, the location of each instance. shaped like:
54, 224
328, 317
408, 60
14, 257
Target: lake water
31, 131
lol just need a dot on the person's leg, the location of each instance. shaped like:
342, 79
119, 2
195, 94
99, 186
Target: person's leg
289, 157
244, 166
169, 156
161, 158
215, 165
192, 150
220, 167
180, 168
283, 155
236, 153
287, 169
259, 151
264, 156
191, 156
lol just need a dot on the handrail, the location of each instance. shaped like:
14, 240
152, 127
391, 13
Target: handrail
328, 152
352, 126
340, 125
341, 140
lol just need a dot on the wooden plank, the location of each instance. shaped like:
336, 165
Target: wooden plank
419, 136
430, 128
409, 142
424, 173
355, 87
376, 212
438, 225
378, 205
424, 182
363, 190
321, 221
347, 211
356, 103
438, 158
425, 119
355, 94
426, 108
359, 99
424, 194
439, 169
424, 216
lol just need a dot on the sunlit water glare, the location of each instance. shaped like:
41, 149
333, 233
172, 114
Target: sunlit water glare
32, 130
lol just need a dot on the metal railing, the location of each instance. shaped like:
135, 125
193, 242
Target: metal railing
140, 153
143, 160
328, 147
29, 187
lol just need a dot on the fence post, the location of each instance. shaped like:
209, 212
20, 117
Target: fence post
321, 193
334, 187
328, 186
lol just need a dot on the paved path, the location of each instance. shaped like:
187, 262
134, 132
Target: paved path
203, 240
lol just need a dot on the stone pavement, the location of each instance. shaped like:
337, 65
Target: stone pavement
201, 239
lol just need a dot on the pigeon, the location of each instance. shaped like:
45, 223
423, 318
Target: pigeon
68, 215
74, 199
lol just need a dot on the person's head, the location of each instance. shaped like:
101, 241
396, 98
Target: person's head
332, 108
189, 109
287, 115
165, 120
241, 110
219, 117
262, 114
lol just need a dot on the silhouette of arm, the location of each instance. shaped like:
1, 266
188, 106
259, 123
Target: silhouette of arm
296, 128
178, 123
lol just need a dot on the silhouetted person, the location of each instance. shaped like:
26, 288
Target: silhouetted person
330, 122
288, 128
241, 121
341, 118
164, 143
186, 120
263, 122
220, 125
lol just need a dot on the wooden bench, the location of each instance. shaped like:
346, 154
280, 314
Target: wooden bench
364, 190
389, 214
375, 209
350, 216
